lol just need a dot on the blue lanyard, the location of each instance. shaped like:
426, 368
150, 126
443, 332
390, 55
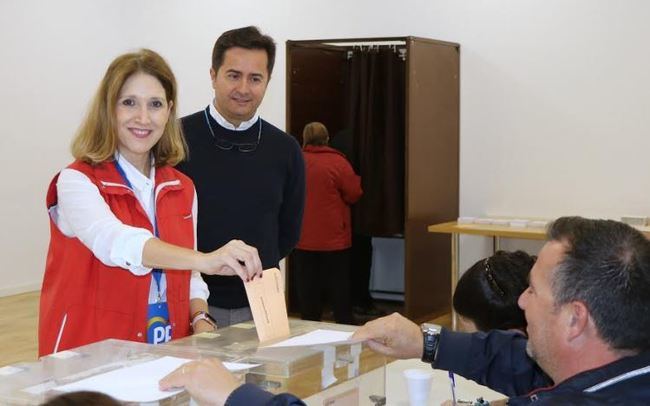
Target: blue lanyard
157, 273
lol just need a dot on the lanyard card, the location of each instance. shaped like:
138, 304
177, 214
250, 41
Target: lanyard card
266, 298
158, 328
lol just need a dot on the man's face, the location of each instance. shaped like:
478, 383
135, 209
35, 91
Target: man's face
240, 83
544, 338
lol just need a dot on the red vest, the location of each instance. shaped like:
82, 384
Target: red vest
98, 301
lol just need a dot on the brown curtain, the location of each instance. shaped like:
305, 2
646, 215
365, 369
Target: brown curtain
375, 85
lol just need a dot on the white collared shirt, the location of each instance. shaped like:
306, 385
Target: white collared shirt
243, 126
83, 213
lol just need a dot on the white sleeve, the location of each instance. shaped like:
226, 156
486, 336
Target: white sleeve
84, 214
198, 287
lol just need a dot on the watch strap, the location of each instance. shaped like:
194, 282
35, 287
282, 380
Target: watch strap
430, 346
202, 315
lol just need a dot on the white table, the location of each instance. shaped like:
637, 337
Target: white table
397, 392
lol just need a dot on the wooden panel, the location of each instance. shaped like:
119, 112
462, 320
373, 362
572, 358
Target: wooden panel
315, 88
432, 161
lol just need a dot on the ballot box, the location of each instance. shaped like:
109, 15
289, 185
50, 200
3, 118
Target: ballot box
341, 373
33, 383
328, 374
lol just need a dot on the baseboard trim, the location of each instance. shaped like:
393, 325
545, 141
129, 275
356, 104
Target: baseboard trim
16, 290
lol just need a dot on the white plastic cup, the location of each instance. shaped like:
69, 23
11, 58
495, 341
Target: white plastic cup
419, 385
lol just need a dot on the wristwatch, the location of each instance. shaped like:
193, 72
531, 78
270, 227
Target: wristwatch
201, 315
431, 335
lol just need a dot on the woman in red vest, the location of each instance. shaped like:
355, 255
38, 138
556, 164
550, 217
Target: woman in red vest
122, 261
321, 260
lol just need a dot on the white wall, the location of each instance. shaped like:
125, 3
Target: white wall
554, 93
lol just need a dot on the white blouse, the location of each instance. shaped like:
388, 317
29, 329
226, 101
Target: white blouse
83, 213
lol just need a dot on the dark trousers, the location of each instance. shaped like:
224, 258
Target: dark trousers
322, 275
361, 261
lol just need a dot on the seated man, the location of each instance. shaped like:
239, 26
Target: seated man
588, 331
588, 325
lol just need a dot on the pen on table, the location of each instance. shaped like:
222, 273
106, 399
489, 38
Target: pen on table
452, 383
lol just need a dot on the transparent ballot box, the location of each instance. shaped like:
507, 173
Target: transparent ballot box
331, 374
35, 382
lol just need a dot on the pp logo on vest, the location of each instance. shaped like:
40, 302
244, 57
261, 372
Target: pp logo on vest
161, 334
158, 328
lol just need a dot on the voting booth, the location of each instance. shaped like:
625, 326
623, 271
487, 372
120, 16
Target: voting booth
339, 372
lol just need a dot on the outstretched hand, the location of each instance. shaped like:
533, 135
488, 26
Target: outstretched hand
393, 335
207, 381
234, 258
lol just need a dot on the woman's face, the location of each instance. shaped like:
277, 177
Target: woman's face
141, 114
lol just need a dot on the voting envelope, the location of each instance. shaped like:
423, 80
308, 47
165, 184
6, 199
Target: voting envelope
266, 298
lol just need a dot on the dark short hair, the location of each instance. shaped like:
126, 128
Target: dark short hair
607, 267
82, 398
248, 38
488, 291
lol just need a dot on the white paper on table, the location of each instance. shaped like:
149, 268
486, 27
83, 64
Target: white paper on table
238, 366
137, 383
317, 337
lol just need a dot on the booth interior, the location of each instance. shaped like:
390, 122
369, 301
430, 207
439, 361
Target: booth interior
392, 107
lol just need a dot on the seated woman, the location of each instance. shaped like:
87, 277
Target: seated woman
121, 261
486, 294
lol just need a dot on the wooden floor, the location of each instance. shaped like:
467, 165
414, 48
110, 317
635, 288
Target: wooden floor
19, 328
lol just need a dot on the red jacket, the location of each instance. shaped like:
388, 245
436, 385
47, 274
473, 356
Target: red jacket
98, 301
332, 186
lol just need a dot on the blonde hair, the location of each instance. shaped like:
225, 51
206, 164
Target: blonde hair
96, 139
315, 133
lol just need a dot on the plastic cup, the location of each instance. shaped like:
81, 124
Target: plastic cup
419, 385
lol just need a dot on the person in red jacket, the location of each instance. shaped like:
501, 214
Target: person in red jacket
121, 261
321, 260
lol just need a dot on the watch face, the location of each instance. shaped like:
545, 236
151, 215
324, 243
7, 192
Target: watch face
430, 328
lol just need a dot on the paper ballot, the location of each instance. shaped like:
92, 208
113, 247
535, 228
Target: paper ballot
266, 298
138, 383
317, 337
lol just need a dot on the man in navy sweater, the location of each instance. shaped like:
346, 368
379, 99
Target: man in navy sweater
249, 175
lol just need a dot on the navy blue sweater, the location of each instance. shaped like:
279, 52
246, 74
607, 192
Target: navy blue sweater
498, 360
251, 395
257, 197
